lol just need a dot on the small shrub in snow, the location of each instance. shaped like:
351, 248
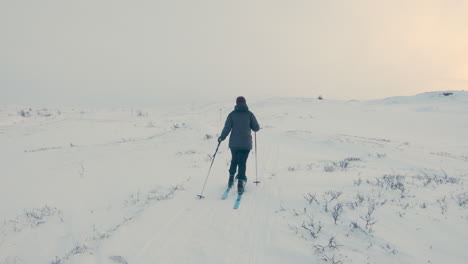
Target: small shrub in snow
351, 205
443, 204
404, 207
333, 195
99, 235
295, 213
359, 199
319, 249
351, 159
79, 249
325, 205
390, 249
336, 212
368, 218
358, 182
355, 225
332, 243
378, 155
323, 250
394, 182
342, 164
312, 227
330, 259
381, 155
24, 113
311, 198
461, 199
294, 229
177, 125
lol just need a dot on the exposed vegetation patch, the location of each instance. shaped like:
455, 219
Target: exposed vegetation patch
340, 165
339, 224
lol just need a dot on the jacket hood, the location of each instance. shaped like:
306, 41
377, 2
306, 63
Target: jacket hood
241, 107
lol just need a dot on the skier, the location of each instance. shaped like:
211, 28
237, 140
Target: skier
239, 123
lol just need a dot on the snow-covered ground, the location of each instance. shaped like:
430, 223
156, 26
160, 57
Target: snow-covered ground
381, 181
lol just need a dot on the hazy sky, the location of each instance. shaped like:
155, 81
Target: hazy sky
146, 51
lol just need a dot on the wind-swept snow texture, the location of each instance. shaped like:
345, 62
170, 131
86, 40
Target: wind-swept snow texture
341, 182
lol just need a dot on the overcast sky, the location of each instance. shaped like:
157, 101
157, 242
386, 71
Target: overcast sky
149, 51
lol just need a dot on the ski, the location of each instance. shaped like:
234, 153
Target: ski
238, 200
226, 193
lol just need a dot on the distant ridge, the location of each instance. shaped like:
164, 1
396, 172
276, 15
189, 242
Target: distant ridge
427, 97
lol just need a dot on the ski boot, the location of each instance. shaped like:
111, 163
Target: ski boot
240, 186
231, 181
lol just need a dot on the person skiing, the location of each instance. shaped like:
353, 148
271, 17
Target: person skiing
239, 123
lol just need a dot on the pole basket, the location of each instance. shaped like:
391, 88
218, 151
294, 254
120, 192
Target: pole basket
200, 197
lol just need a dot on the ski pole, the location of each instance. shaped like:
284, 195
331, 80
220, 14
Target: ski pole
256, 165
200, 196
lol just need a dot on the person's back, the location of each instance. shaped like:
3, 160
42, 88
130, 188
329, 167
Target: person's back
239, 124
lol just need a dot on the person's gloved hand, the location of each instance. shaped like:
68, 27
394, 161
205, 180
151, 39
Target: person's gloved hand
220, 139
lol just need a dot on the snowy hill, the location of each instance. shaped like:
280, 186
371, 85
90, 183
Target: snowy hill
429, 97
341, 182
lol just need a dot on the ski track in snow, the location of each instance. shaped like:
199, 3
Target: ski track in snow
191, 226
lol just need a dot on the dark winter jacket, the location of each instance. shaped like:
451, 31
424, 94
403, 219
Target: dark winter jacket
239, 123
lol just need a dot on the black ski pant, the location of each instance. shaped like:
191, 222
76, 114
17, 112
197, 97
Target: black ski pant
239, 159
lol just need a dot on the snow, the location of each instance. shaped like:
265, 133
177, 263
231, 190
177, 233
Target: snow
119, 185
